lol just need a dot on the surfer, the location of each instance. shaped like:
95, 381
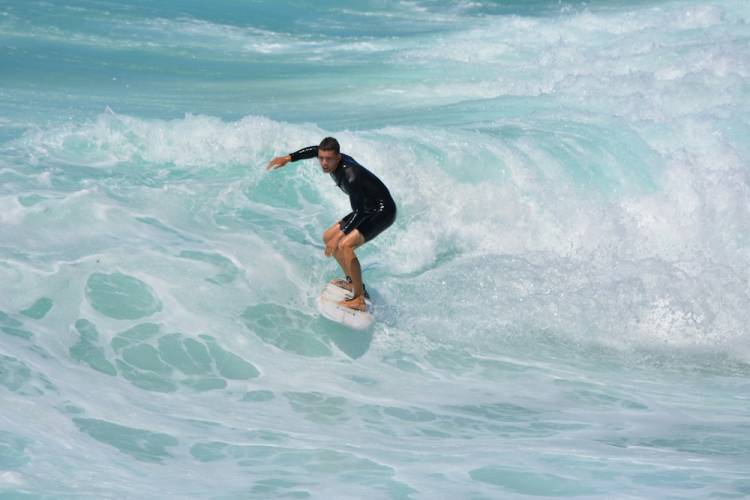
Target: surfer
373, 210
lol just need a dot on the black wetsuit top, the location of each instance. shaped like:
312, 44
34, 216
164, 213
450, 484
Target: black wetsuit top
373, 209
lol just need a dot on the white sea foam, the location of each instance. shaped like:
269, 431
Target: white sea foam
468, 195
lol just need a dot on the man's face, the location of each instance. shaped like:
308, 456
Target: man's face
329, 160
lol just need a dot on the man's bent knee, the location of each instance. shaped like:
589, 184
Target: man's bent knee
352, 240
331, 232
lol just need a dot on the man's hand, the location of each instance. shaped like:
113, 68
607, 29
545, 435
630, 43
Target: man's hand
333, 243
278, 162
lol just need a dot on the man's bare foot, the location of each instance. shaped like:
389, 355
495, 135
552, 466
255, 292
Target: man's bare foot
347, 285
342, 283
357, 303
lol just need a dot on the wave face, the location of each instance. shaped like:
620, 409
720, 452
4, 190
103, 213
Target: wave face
562, 302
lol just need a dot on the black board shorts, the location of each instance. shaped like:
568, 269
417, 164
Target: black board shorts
374, 222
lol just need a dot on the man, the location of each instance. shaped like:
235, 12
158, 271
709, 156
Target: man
373, 210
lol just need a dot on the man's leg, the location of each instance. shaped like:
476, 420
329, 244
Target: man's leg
348, 260
330, 233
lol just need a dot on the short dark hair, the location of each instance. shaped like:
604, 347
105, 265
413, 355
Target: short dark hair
329, 144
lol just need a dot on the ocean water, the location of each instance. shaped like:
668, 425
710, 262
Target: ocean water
562, 304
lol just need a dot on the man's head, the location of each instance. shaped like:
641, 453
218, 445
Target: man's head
329, 154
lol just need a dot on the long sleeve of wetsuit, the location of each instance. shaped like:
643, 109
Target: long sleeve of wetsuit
305, 153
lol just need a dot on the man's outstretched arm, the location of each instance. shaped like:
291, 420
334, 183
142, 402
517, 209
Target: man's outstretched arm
302, 154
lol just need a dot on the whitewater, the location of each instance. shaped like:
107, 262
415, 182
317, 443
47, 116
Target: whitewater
562, 303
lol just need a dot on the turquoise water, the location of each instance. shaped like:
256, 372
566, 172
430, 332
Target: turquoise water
562, 303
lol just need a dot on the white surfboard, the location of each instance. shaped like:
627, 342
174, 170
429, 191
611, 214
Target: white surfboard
328, 306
